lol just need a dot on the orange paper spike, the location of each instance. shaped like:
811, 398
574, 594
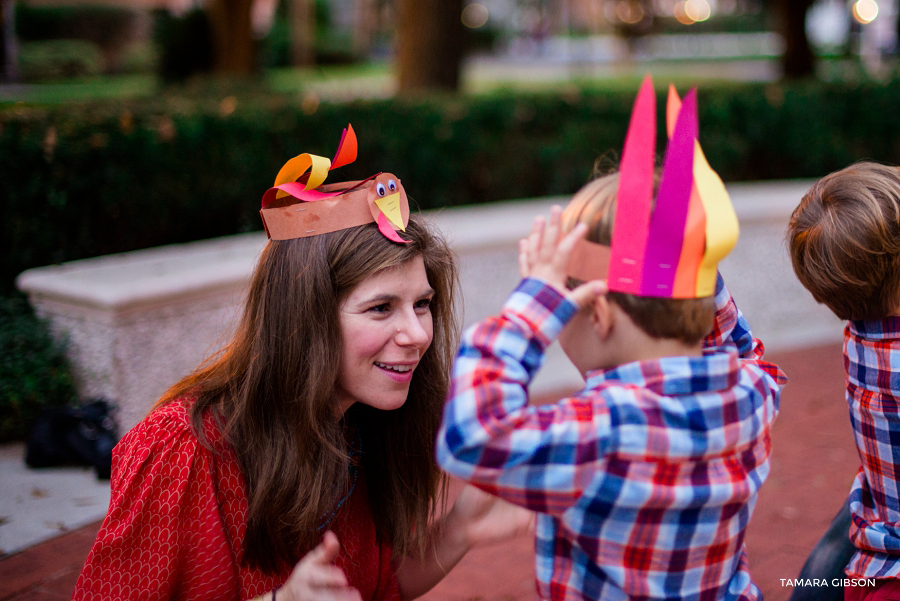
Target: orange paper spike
692, 251
673, 107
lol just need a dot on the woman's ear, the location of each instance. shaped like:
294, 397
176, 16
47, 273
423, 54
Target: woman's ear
602, 317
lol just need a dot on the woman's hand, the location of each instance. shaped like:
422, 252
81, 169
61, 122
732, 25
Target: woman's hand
315, 578
483, 519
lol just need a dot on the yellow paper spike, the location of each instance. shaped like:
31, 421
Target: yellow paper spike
390, 206
721, 222
317, 166
673, 107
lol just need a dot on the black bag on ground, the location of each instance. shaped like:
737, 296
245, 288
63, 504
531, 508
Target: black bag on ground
82, 435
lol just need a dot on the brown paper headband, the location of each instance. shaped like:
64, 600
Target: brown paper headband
298, 205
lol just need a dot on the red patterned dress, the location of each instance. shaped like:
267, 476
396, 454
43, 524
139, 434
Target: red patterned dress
177, 518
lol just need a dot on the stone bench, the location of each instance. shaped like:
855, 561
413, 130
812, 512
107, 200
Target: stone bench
137, 322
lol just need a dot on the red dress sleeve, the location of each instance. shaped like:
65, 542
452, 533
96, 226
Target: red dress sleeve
163, 537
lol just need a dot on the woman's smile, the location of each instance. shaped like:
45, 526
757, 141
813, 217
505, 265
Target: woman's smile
399, 372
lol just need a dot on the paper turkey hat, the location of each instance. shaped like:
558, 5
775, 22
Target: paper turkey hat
299, 204
670, 248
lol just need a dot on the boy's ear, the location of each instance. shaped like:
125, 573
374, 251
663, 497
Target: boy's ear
602, 317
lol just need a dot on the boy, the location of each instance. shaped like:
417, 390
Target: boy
845, 247
645, 480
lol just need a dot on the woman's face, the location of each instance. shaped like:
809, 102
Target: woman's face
386, 327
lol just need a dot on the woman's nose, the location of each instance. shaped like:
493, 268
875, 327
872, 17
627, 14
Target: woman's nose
412, 331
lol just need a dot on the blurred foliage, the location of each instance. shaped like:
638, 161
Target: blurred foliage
87, 180
331, 46
184, 43
103, 25
59, 59
482, 39
746, 23
34, 373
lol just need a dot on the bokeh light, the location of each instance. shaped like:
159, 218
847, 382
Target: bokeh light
474, 15
681, 14
697, 10
629, 12
865, 11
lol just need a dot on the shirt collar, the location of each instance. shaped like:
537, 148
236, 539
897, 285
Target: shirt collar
877, 329
674, 376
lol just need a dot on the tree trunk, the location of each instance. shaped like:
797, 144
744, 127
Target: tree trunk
9, 56
234, 49
798, 59
430, 45
365, 23
302, 17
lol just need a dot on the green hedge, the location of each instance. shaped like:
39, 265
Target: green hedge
86, 181
59, 59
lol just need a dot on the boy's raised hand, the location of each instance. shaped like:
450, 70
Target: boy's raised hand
545, 253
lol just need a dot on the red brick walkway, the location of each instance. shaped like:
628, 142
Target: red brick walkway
813, 465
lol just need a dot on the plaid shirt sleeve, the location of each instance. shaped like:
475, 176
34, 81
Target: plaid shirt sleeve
731, 329
537, 457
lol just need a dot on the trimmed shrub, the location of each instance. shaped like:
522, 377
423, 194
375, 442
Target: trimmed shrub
112, 30
59, 59
34, 373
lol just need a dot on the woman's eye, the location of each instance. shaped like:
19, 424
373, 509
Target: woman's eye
380, 189
425, 303
392, 185
382, 308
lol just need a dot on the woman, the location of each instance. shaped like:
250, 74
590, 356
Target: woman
310, 437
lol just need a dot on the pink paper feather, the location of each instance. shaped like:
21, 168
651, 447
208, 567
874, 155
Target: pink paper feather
635, 194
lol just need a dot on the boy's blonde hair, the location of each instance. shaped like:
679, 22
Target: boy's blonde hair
845, 241
686, 319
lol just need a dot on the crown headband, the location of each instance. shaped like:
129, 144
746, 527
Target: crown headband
672, 249
299, 204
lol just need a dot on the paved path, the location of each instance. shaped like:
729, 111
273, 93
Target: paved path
813, 465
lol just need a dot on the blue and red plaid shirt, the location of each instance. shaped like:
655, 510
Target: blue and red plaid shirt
872, 363
645, 480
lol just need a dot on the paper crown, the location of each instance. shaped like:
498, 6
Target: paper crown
298, 205
672, 249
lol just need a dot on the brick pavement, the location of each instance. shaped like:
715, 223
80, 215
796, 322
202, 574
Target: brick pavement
814, 461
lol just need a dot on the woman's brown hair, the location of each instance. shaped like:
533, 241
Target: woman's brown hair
844, 239
272, 390
685, 319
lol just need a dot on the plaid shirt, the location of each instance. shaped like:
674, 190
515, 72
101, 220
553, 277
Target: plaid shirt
645, 480
872, 363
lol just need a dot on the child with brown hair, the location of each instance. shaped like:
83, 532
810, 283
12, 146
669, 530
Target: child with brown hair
845, 248
646, 479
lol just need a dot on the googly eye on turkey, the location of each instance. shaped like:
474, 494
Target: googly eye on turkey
380, 189
392, 185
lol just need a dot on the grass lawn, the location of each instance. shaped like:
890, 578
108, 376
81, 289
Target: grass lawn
377, 80
114, 87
